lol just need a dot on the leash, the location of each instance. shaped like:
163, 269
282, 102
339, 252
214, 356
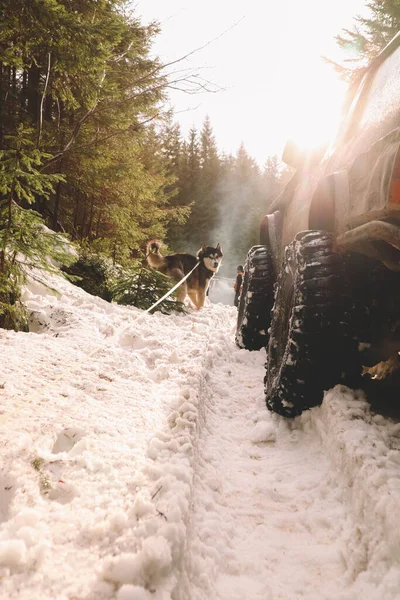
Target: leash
172, 289
68, 370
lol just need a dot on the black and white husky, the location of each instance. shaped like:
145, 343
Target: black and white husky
179, 265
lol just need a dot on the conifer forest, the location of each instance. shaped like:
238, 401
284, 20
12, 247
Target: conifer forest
90, 150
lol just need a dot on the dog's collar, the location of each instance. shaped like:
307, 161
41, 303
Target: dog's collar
206, 269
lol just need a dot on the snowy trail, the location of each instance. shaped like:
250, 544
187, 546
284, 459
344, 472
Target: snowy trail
255, 533
151, 469
278, 504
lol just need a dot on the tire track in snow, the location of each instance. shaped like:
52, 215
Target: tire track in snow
267, 513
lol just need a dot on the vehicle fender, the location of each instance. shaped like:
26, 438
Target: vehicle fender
323, 203
270, 235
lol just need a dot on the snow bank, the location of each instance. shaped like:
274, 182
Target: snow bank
364, 449
100, 410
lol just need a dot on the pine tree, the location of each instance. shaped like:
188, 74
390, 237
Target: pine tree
204, 169
368, 36
141, 287
175, 152
193, 156
272, 178
24, 242
189, 193
208, 146
81, 75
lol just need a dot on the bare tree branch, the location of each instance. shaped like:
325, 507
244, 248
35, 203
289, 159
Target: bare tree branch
117, 59
185, 56
200, 84
163, 66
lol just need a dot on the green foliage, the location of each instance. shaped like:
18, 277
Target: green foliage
20, 178
141, 286
80, 73
91, 272
44, 481
25, 243
367, 37
131, 283
81, 94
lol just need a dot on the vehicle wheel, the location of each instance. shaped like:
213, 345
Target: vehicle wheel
375, 292
256, 300
309, 342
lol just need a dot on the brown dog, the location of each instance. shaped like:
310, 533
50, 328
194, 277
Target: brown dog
177, 266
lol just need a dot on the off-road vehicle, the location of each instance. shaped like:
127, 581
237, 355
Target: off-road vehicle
322, 290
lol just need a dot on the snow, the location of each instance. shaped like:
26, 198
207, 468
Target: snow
138, 462
221, 290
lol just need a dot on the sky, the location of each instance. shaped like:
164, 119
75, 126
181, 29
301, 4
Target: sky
266, 58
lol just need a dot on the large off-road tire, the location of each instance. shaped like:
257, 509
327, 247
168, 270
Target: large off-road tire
256, 300
375, 319
375, 322
310, 345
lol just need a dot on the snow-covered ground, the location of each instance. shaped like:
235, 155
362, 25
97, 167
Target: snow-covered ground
138, 462
221, 290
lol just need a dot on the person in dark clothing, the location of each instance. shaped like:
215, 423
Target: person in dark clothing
238, 284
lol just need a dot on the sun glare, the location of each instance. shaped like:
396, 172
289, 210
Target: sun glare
315, 108
274, 84
314, 99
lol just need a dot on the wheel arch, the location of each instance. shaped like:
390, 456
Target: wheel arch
271, 235
322, 207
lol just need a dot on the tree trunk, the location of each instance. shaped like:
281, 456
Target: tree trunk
98, 224
14, 82
76, 216
24, 89
57, 207
1, 104
33, 92
57, 201
83, 225
90, 222
48, 108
